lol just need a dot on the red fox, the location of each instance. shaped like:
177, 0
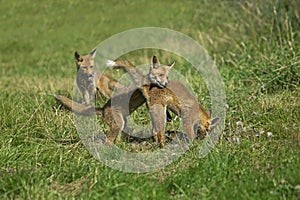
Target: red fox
120, 105
89, 80
161, 94
114, 112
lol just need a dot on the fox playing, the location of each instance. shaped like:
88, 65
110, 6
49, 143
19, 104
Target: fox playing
122, 103
162, 94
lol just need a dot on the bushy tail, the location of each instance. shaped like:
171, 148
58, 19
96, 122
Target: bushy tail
136, 75
120, 64
81, 109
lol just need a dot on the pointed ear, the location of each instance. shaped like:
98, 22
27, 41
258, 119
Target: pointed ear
93, 53
154, 62
214, 122
209, 112
171, 65
77, 56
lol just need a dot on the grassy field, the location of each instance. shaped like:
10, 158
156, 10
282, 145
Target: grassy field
256, 47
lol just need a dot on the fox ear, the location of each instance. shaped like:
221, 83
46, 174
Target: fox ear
209, 113
77, 56
154, 62
214, 122
171, 65
93, 53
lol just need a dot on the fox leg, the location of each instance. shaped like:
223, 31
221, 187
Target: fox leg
112, 135
158, 118
86, 97
116, 124
190, 130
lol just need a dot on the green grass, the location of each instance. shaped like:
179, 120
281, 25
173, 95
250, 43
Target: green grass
255, 45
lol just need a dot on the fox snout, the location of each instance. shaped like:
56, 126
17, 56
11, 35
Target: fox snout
162, 81
92, 75
164, 84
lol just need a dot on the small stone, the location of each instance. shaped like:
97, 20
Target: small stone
226, 106
239, 123
237, 140
269, 134
252, 97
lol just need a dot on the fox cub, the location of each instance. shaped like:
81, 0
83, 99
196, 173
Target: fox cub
119, 106
162, 94
114, 112
89, 80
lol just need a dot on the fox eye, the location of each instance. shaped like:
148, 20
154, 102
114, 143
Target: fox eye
161, 75
91, 66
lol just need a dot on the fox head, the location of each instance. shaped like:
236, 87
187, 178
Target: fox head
207, 124
85, 64
158, 73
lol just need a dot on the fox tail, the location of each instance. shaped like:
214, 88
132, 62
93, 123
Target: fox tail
118, 64
81, 109
136, 75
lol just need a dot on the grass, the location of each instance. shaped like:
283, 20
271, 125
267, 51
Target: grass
256, 48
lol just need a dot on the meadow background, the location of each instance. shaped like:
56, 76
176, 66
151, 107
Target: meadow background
255, 45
